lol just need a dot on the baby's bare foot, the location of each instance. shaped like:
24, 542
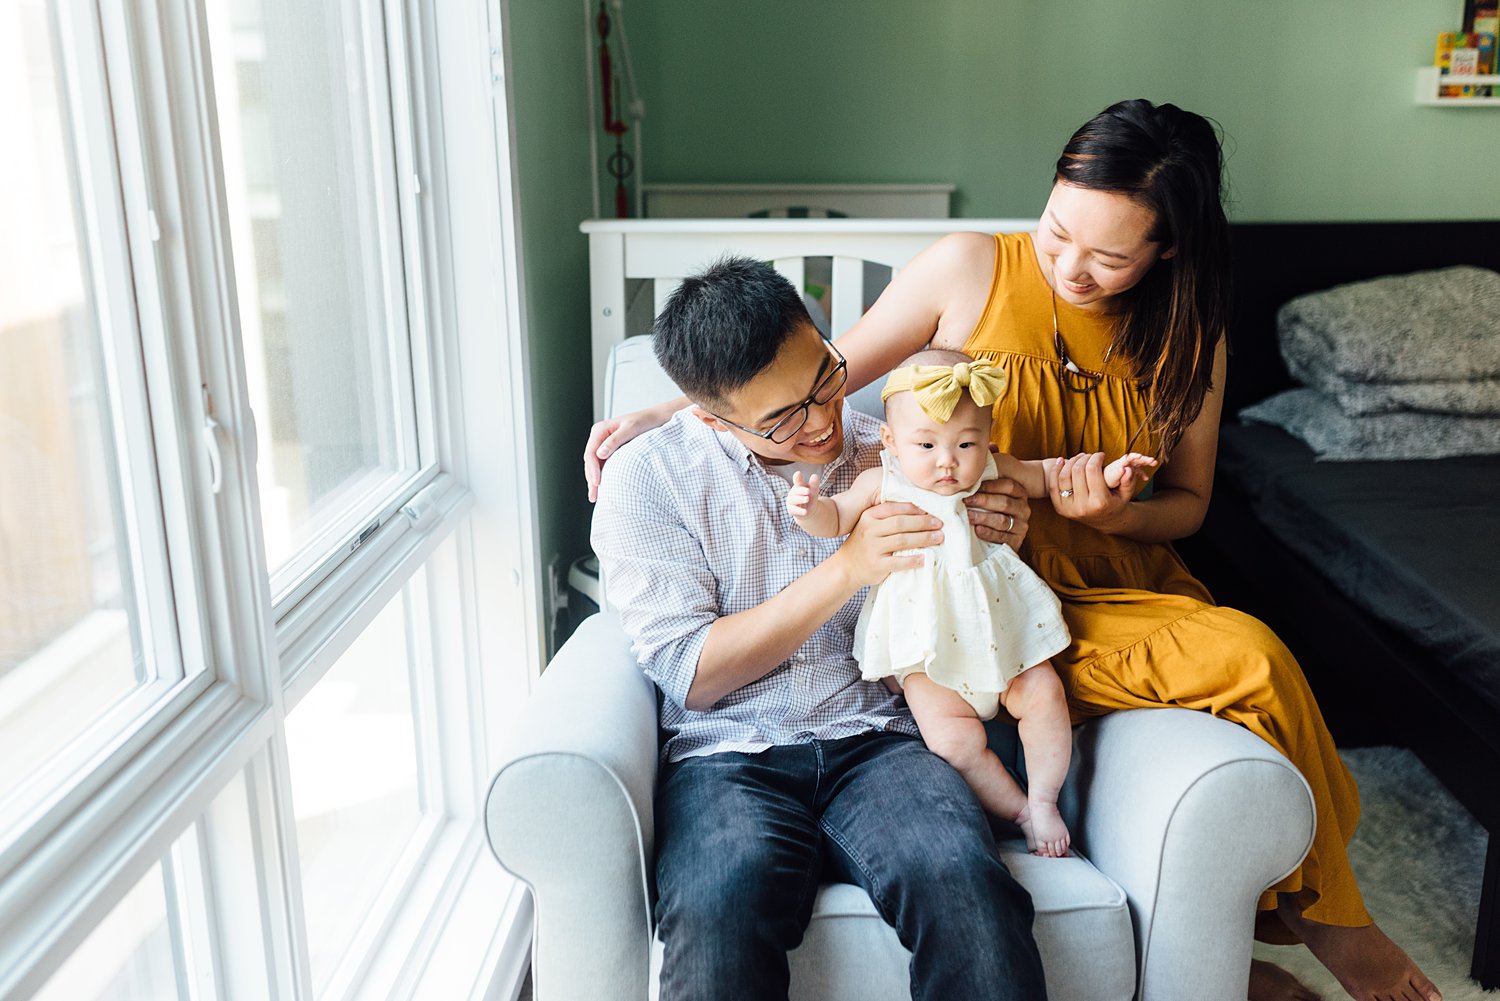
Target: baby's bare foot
1046, 834
1368, 964
1271, 983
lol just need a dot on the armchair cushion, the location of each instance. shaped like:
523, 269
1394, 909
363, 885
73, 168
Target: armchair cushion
1184, 817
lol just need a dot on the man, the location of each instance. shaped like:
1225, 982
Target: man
783, 769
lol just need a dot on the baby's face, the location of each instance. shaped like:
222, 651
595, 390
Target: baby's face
944, 458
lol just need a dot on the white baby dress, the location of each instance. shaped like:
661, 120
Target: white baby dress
971, 618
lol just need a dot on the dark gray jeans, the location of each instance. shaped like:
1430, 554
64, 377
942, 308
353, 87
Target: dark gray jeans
744, 840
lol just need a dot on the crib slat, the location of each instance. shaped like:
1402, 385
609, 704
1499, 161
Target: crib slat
794, 269
607, 299
664, 287
848, 293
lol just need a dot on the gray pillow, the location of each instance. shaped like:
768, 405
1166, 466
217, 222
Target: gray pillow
1474, 398
1427, 327
1317, 420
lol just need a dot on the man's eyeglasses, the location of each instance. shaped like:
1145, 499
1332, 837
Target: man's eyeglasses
786, 428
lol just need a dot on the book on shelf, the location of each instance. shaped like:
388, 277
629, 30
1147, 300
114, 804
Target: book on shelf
1482, 16
1464, 53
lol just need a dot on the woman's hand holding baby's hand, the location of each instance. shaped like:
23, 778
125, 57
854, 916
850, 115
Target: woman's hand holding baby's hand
1127, 471
1084, 489
799, 499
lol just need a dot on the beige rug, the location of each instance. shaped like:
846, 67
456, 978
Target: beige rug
1419, 857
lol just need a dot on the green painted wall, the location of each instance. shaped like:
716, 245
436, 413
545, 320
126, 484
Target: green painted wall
552, 149
1315, 97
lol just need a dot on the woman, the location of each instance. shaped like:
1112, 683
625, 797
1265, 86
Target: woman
1109, 322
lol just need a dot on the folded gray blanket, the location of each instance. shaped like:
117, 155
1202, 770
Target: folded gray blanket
1425, 341
1317, 420
1475, 398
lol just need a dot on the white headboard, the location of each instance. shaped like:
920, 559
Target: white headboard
651, 256
794, 201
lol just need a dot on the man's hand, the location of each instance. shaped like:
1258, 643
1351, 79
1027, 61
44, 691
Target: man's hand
1000, 512
868, 556
799, 499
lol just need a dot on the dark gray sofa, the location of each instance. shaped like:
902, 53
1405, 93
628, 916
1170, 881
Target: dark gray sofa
1380, 576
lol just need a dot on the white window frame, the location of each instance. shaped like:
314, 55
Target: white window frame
456, 926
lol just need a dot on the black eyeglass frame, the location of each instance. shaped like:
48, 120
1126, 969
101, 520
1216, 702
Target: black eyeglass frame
827, 389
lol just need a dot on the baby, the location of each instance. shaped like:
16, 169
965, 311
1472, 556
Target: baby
971, 630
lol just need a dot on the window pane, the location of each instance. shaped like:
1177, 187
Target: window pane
352, 747
128, 957
70, 638
304, 127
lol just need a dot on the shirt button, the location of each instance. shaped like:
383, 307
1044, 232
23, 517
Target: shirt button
802, 553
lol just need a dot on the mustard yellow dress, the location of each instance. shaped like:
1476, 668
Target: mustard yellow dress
1146, 632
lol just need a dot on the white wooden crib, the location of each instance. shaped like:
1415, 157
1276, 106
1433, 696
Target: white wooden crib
634, 265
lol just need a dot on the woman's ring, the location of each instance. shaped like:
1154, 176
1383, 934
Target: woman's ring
1065, 493
1011, 524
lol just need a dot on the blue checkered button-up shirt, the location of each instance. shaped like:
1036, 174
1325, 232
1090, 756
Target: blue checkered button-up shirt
691, 526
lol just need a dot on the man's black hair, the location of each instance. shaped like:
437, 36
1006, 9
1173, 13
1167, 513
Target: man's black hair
724, 326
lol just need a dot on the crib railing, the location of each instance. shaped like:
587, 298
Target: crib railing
634, 265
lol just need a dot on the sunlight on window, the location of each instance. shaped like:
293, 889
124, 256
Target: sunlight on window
128, 957
353, 753
69, 647
316, 242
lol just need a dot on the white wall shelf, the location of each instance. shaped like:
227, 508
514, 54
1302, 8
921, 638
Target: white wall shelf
1429, 80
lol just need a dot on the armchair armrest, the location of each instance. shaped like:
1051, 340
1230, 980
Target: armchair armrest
570, 813
1194, 817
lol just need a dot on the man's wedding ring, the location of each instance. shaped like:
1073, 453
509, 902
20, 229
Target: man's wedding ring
1010, 524
1065, 493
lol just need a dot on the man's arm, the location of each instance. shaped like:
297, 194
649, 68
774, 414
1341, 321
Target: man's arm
657, 574
748, 645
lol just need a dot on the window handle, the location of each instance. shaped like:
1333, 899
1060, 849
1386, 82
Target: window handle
210, 432
215, 458
422, 509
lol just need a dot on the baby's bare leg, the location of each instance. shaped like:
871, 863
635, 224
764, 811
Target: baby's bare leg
1035, 698
953, 732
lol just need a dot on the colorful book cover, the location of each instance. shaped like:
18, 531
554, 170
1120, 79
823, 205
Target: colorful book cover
1462, 53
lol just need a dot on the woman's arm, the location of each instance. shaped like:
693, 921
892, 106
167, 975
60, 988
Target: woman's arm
937, 298
1182, 488
612, 432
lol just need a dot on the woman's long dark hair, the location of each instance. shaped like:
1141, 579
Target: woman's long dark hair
1168, 325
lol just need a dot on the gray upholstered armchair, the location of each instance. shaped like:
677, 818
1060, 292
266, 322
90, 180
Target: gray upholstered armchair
1180, 821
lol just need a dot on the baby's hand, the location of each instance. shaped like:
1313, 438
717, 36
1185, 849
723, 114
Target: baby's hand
1128, 470
799, 499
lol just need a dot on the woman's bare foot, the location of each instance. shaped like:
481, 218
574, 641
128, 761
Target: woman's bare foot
1046, 834
1368, 964
1269, 982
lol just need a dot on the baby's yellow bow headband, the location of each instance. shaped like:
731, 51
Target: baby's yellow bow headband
938, 387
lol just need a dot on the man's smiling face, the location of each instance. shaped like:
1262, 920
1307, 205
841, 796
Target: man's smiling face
802, 373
